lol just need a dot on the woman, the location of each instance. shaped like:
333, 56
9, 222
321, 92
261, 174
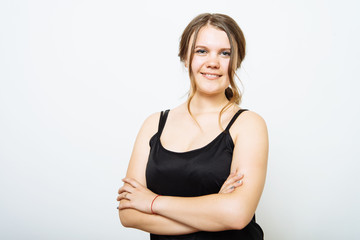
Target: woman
198, 171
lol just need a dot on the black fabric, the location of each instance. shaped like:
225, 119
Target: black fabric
195, 173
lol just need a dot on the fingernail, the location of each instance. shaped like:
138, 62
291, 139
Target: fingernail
240, 174
240, 181
232, 187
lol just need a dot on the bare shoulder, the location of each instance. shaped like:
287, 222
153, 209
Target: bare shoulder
249, 123
152, 120
150, 125
250, 118
140, 153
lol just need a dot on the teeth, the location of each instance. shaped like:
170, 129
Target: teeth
211, 75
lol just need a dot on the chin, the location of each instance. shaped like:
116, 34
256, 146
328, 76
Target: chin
211, 88
211, 91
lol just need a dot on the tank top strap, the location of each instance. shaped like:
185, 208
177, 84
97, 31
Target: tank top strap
162, 121
234, 118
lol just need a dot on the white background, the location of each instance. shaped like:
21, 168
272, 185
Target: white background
77, 79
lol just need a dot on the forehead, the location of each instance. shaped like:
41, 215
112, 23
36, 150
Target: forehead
212, 37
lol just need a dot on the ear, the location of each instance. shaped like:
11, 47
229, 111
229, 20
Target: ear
186, 63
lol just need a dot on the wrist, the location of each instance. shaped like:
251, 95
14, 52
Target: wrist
152, 204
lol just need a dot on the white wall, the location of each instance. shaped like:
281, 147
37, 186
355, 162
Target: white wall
77, 78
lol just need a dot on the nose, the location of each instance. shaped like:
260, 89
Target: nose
213, 61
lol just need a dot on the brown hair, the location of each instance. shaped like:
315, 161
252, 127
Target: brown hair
237, 45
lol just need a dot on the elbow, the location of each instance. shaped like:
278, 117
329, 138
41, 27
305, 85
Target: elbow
238, 224
125, 219
238, 219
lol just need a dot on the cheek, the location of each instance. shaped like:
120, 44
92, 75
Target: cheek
225, 65
195, 64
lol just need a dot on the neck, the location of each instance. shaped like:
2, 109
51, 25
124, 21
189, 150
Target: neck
206, 104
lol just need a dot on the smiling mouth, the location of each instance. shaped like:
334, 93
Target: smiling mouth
211, 76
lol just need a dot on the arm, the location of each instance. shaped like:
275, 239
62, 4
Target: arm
136, 170
153, 223
157, 224
219, 212
228, 211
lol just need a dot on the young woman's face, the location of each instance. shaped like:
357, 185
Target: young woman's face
211, 61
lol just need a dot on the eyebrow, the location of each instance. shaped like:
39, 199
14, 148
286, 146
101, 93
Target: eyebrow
201, 46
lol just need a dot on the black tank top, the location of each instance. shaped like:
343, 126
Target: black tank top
195, 173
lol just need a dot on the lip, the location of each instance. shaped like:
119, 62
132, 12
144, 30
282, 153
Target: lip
211, 76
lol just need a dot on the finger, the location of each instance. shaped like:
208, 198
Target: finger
122, 187
237, 177
232, 174
124, 195
227, 184
232, 179
238, 183
229, 179
240, 176
228, 189
124, 205
126, 188
235, 185
231, 189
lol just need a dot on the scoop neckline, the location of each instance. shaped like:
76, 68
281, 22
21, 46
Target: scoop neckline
196, 149
225, 131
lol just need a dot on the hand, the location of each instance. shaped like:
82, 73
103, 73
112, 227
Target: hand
232, 182
138, 196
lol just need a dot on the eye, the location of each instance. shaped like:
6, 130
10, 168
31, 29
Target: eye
200, 51
226, 53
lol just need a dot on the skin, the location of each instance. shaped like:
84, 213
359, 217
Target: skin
210, 63
234, 206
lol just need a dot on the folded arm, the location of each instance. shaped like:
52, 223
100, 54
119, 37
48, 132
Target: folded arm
219, 212
157, 224
214, 212
153, 223
136, 219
